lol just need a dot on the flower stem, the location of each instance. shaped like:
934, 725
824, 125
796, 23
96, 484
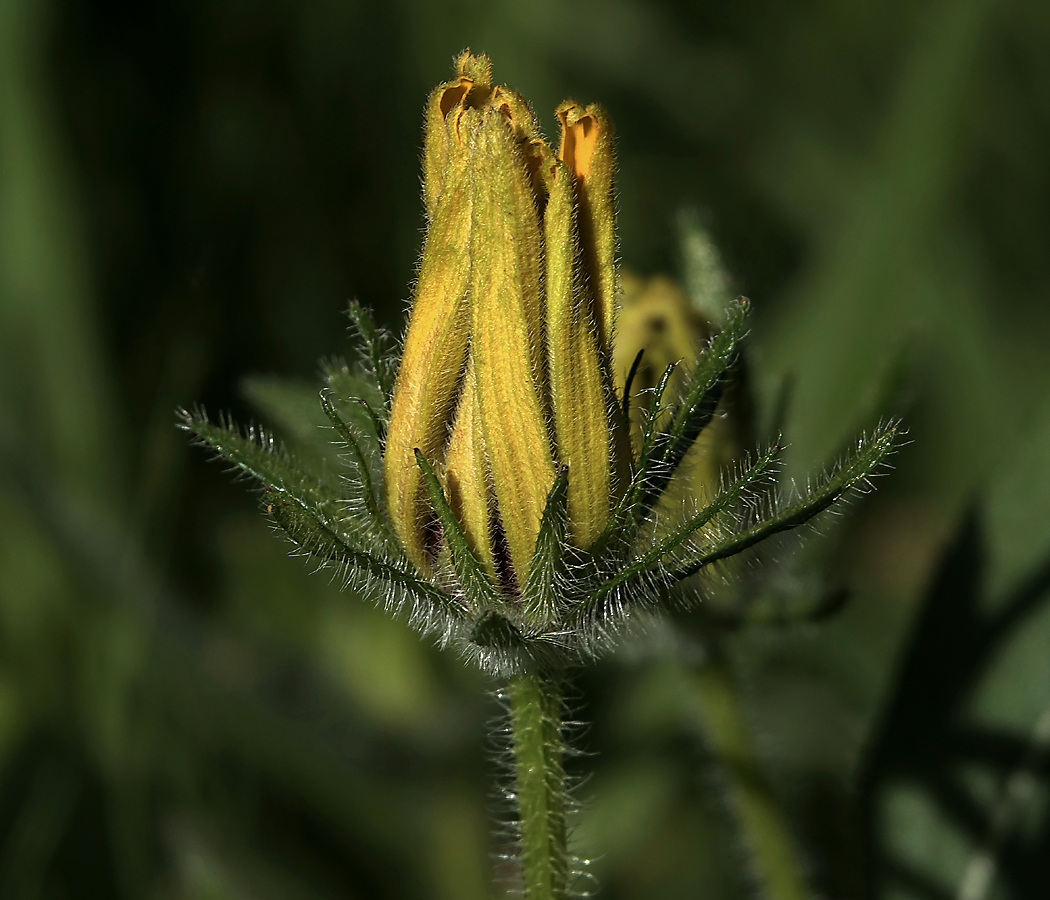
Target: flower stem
774, 858
536, 719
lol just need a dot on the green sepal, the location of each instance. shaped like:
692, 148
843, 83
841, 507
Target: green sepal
650, 440
310, 533
625, 518
480, 592
542, 594
304, 509
376, 517
698, 403
625, 402
850, 474
308, 530
377, 351
648, 562
495, 632
258, 456
378, 428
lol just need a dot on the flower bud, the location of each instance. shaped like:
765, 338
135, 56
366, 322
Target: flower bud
658, 318
506, 375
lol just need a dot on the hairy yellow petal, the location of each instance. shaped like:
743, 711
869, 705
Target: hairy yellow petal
472, 86
507, 334
466, 475
433, 360
579, 397
587, 151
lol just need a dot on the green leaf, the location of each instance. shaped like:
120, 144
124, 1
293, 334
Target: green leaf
958, 787
957, 782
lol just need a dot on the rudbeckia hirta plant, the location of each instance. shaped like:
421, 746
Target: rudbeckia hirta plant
506, 486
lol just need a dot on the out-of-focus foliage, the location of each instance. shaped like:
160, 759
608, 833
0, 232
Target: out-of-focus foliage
190, 193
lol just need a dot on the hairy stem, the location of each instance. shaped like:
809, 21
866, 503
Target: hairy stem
536, 717
770, 847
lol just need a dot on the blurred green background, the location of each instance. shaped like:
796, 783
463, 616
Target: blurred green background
190, 193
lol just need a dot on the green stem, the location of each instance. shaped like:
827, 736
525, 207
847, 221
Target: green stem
764, 830
536, 718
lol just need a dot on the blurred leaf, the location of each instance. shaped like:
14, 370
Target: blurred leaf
294, 408
53, 378
877, 277
973, 686
1017, 511
38, 829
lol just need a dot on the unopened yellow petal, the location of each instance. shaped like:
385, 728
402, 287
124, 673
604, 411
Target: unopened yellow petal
535, 150
579, 397
473, 83
587, 151
466, 475
433, 361
507, 335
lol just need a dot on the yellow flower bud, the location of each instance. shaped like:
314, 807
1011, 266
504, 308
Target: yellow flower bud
657, 317
505, 374
514, 521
